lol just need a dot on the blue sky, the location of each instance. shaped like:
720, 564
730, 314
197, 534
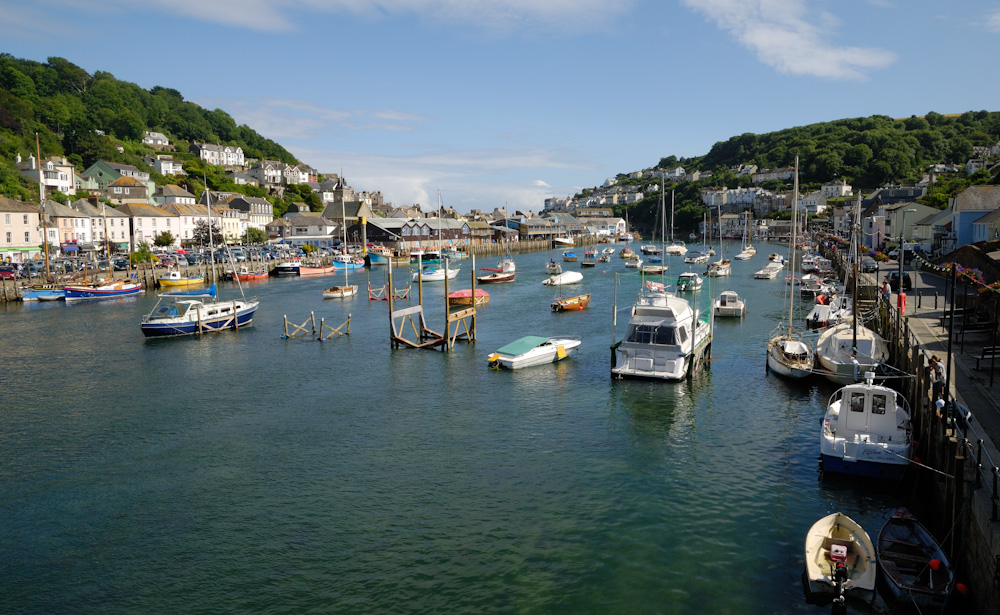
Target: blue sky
508, 102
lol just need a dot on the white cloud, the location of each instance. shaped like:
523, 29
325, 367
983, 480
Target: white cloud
993, 21
291, 118
468, 179
283, 15
785, 36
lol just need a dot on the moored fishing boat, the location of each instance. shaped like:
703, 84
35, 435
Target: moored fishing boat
866, 432
174, 279
840, 559
719, 268
245, 274
288, 267
730, 304
532, 350
914, 566
313, 269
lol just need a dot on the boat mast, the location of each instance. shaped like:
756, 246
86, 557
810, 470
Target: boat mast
791, 250
671, 215
211, 247
854, 287
107, 241
41, 204
343, 231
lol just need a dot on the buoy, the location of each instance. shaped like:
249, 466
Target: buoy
961, 588
916, 459
935, 564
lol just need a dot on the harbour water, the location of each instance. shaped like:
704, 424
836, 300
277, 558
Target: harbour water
243, 472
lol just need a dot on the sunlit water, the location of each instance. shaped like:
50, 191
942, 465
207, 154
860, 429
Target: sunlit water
243, 472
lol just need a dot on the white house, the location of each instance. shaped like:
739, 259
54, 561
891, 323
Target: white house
222, 155
155, 139
836, 189
56, 173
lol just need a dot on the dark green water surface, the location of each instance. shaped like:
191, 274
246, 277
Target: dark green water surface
243, 472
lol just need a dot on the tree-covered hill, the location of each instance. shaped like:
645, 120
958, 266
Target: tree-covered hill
70, 109
867, 153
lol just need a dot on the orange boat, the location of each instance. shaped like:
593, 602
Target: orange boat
571, 303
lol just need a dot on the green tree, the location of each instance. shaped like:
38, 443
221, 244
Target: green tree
143, 254
164, 239
254, 235
201, 233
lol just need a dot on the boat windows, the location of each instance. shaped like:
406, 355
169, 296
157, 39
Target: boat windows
857, 402
649, 334
165, 311
878, 404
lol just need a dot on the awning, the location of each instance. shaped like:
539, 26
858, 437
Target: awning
69, 248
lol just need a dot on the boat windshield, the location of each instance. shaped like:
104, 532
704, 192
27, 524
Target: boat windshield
164, 311
651, 334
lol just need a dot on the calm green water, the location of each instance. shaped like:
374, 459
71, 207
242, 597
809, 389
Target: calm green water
246, 473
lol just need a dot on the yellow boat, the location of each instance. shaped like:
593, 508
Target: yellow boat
174, 279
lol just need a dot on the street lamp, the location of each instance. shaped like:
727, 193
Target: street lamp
899, 251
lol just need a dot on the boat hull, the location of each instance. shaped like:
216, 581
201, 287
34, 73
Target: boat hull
839, 529
864, 469
83, 293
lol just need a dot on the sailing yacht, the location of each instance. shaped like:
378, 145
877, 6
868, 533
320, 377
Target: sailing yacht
747, 251
675, 247
191, 312
787, 353
345, 290
848, 350
657, 266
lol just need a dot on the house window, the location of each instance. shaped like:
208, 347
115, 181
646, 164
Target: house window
25, 218
154, 222
6, 219
117, 190
27, 237
10, 238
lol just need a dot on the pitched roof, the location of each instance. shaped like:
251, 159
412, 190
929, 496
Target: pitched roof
144, 211
10, 205
127, 182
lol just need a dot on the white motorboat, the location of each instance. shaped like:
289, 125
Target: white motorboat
532, 350
560, 242
434, 273
696, 258
665, 339
289, 267
866, 432
834, 310
608, 252
730, 304
720, 268
675, 248
689, 281
633, 262
770, 271
744, 256
840, 559
564, 278
774, 257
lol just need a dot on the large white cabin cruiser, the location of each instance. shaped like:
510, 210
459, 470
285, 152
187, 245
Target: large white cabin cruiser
665, 339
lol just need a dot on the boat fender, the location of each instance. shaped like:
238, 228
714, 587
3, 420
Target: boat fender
560, 352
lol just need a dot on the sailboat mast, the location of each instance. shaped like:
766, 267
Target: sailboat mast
211, 245
41, 204
791, 250
671, 215
854, 287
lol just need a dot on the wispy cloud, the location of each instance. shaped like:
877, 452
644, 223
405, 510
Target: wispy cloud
284, 15
291, 118
467, 178
993, 21
789, 38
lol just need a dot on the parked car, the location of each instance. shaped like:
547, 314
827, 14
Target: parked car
894, 281
7, 272
120, 264
868, 265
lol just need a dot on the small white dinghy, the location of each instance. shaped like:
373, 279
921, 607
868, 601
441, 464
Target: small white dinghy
840, 560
